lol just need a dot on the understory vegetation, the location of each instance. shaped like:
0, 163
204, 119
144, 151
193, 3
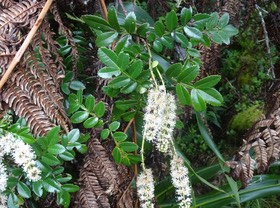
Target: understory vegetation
139, 103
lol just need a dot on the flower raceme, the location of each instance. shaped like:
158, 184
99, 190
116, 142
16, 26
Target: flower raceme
160, 118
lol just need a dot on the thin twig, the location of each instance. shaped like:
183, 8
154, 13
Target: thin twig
26, 43
271, 69
104, 9
128, 125
135, 152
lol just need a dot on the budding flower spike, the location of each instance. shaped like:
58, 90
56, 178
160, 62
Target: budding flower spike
180, 180
145, 188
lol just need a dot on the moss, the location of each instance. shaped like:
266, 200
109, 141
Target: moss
246, 119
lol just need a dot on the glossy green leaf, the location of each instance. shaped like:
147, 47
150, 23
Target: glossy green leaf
193, 32
216, 37
56, 149
123, 61
117, 155
37, 188
224, 37
188, 74
108, 57
113, 19
204, 132
119, 82
167, 41
67, 155
186, 15
89, 103
53, 136
129, 88
194, 52
63, 198
77, 85
211, 96
50, 159
79, 117
159, 28
157, 46
82, 149
95, 22
114, 125
64, 178
125, 160
128, 146
197, 101
50, 185
207, 82
135, 69
183, 95
104, 133
108, 72
200, 20
130, 23
119, 136
90, 122
23, 190
171, 21
212, 21
143, 29
230, 30
174, 70
181, 38
73, 135
106, 39
69, 187
99, 109
126, 104
223, 21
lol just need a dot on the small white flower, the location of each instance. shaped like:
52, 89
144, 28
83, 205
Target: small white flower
3, 200
3, 181
23, 154
34, 174
180, 180
145, 188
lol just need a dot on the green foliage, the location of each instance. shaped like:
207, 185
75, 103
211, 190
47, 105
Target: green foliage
52, 151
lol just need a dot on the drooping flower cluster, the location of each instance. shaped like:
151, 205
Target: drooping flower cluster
145, 188
3, 201
180, 180
160, 118
22, 154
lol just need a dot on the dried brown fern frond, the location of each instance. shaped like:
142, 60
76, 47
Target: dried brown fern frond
36, 80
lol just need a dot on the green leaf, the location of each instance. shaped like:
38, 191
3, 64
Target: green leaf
123, 61
113, 19
64, 179
56, 149
208, 82
121, 43
119, 82
117, 155
143, 29
167, 41
90, 101
99, 109
119, 136
50, 185
174, 70
212, 21
224, 37
171, 21
129, 88
108, 72
126, 104
77, 85
67, 156
194, 52
106, 38
223, 21
130, 23
79, 117
186, 15
12, 181
200, 20
95, 22
216, 37
197, 101
37, 188
53, 136
70, 187
207, 138
211, 96
73, 135
135, 69
104, 133
63, 198
157, 46
114, 125
193, 32
125, 160
230, 30
90, 122
128, 146
23, 190
50, 159
82, 149
183, 95
159, 28
108, 57
181, 38
188, 74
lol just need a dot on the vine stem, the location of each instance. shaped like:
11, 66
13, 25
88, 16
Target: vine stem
104, 9
150, 65
26, 43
